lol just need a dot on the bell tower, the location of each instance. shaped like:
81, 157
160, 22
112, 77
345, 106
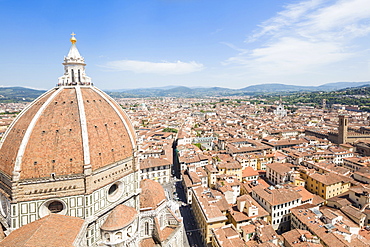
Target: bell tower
342, 129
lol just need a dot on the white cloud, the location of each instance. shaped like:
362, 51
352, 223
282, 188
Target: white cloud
290, 56
306, 36
163, 68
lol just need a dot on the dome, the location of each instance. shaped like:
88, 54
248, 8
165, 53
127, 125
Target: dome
65, 129
152, 194
120, 217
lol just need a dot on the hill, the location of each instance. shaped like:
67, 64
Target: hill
18, 94
356, 96
21, 94
188, 92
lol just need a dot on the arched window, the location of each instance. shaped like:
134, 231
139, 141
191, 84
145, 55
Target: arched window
129, 231
146, 228
79, 76
73, 75
118, 235
161, 220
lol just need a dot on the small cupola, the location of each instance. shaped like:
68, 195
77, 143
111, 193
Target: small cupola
74, 68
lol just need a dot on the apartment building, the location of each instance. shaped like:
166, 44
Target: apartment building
157, 169
209, 208
277, 202
231, 168
356, 163
326, 185
280, 173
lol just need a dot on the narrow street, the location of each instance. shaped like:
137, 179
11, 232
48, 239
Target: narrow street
192, 230
175, 191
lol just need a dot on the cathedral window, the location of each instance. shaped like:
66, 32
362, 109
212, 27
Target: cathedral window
146, 228
118, 235
55, 207
107, 237
73, 75
115, 191
129, 231
112, 189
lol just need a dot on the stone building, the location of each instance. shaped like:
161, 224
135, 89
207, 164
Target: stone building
71, 153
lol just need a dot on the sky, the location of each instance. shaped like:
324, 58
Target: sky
194, 43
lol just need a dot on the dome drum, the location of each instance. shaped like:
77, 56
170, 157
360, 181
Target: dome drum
43, 189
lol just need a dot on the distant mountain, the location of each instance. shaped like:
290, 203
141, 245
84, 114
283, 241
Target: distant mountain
159, 88
274, 87
182, 91
22, 94
341, 85
19, 94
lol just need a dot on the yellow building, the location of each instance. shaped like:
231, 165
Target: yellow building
212, 172
209, 209
263, 160
326, 185
231, 168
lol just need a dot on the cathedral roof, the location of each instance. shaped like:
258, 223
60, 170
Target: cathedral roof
51, 230
152, 194
120, 217
65, 129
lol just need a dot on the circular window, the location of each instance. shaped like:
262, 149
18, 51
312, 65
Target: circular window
55, 207
115, 191
52, 206
4, 209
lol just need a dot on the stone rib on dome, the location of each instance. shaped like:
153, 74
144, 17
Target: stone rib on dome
58, 127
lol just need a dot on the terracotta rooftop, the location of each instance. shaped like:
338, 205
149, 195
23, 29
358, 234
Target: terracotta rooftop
294, 238
148, 242
280, 168
228, 236
55, 121
120, 217
276, 196
52, 230
154, 162
152, 194
248, 172
328, 178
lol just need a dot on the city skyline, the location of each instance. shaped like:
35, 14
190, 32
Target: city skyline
187, 43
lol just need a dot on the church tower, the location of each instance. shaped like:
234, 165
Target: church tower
342, 129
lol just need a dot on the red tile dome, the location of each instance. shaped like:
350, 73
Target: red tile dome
152, 194
65, 129
120, 217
